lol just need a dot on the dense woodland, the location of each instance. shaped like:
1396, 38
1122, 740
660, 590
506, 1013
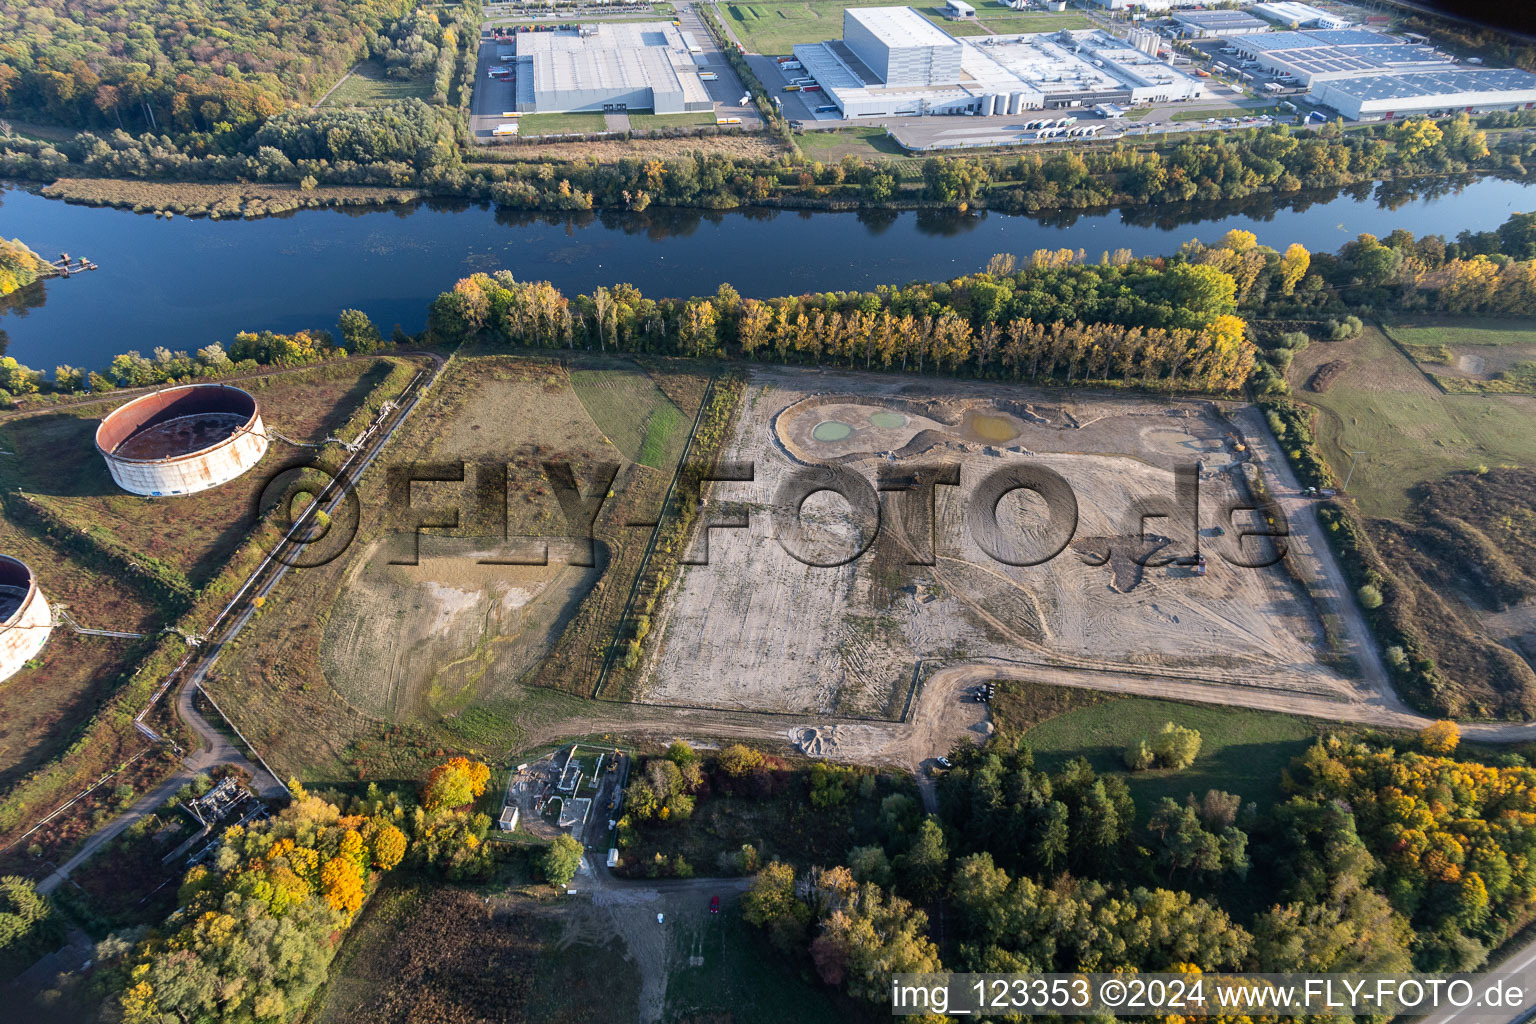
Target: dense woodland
1383, 857
202, 68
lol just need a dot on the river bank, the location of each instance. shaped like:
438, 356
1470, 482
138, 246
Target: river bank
220, 199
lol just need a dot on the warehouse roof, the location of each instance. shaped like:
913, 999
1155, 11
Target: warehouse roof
1219, 19
612, 56
1410, 84
900, 26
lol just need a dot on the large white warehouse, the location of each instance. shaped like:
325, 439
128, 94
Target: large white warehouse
892, 61
1374, 97
615, 66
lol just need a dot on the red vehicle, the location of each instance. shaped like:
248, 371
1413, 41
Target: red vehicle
811, 88
714, 904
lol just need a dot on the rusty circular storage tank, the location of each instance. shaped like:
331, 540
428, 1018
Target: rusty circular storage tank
182, 440
25, 619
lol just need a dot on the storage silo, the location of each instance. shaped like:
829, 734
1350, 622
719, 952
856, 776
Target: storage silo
182, 440
25, 619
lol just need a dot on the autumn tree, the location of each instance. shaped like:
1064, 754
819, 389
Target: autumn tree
1440, 737
738, 760
771, 904
454, 783
872, 937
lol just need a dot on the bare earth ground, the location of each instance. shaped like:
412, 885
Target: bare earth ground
758, 629
403, 639
363, 668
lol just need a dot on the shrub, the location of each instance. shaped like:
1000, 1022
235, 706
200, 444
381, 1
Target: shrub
738, 760
1176, 746
1370, 596
1138, 756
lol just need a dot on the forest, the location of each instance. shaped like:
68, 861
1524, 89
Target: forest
1384, 856
203, 67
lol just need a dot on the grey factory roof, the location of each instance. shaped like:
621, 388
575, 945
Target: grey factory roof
612, 56
1407, 84
1322, 37
1219, 19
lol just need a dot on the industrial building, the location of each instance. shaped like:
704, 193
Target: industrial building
25, 619
1374, 97
1151, 6
182, 440
1213, 24
1290, 14
1311, 57
892, 61
613, 66
1366, 75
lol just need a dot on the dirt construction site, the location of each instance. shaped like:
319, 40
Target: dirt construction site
1142, 589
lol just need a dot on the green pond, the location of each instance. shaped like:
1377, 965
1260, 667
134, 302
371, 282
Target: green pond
831, 430
887, 420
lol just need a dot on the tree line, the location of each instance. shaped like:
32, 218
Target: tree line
413, 143
1134, 321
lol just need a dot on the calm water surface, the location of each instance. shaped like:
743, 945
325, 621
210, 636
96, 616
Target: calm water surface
186, 282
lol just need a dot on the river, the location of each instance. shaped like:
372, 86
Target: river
185, 282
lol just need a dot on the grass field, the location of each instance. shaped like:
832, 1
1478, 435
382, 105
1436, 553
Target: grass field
1461, 331
437, 952
368, 87
742, 980
650, 122
1408, 430
1201, 115
59, 469
832, 146
632, 413
561, 124
1241, 752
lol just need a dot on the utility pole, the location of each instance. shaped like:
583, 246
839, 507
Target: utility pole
1353, 457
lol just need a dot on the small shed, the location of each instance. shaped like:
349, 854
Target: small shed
958, 10
508, 822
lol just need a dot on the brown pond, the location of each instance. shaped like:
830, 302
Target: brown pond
988, 427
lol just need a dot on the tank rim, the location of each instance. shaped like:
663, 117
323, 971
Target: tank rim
245, 428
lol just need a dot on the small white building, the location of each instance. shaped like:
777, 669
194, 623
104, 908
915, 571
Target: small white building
508, 822
958, 10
